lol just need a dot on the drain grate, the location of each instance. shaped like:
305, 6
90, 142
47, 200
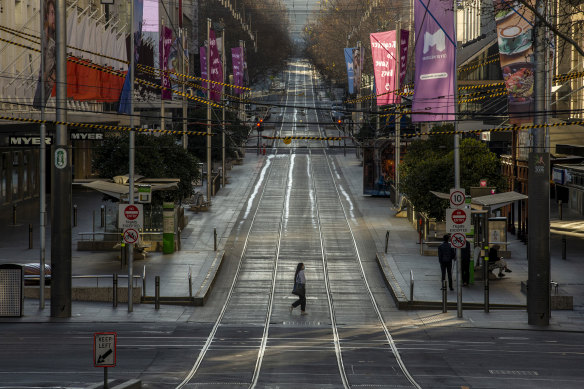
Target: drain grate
514, 372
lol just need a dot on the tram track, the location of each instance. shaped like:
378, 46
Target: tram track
312, 227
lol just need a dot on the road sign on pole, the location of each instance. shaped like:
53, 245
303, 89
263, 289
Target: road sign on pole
104, 349
458, 220
131, 235
131, 216
457, 198
458, 240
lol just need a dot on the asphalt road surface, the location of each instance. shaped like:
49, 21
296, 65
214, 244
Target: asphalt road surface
300, 211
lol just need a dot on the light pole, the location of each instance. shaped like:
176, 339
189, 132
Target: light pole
209, 111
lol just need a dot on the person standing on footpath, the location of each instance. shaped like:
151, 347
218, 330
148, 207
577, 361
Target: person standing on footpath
465, 264
446, 255
299, 289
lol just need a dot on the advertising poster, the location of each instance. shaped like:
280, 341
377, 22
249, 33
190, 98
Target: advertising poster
237, 62
383, 53
349, 63
48, 36
515, 37
435, 61
165, 44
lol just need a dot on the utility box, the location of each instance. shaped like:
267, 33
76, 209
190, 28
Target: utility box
11, 290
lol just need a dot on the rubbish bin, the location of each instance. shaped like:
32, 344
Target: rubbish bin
11, 290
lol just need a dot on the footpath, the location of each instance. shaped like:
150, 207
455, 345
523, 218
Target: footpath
507, 301
197, 256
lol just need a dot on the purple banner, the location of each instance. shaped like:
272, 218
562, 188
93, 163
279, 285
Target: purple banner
434, 96
383, 52
237, 61
164, 49
216, 68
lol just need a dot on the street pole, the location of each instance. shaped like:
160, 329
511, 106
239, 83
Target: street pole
209, 110
223, 109
185, 70
397, 116
162, 68
61, 202
538, 246
43, 176
457, 169
359, 113
131, 156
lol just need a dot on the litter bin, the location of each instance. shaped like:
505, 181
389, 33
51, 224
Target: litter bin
11, 290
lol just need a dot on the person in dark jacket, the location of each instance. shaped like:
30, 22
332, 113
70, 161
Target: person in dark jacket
465, 264
446, 255
299, 289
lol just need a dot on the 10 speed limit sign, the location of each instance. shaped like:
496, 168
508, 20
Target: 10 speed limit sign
457, 198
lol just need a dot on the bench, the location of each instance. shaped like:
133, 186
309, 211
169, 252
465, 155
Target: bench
198, 204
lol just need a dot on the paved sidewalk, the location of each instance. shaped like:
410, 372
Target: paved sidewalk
404, 257
197, 252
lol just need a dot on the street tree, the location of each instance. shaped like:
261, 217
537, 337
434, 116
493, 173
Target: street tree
156, 157
429, 166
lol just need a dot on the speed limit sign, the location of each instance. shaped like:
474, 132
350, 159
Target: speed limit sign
457, 197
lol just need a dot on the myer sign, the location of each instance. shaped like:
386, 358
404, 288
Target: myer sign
36, 140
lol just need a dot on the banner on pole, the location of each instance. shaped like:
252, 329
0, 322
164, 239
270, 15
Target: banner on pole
515, 37
349, 64
383, 53
165, 44
237, 62
434, 95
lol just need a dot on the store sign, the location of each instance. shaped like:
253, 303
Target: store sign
36, 140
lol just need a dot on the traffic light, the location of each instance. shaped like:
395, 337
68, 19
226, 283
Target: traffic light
259, 125
339, 122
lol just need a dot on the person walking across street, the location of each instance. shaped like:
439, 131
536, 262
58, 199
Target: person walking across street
446, 255
465, 264
299, 289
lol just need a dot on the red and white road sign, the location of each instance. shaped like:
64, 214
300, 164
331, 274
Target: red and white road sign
130, 216
458, 240
458, 216
131, 235
457, 198
131, 212
458, 220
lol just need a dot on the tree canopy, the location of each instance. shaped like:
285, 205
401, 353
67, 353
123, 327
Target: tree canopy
429, 165
156, 157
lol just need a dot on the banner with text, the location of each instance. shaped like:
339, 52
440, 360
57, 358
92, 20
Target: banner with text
383, 53
216, 68
165, 43
434, 95
349, 63
515, 37
237, 62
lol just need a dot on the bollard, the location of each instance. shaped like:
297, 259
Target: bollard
190, 284
215, 238
157, 292
30, 236
444, 296
486, 278
74, 215
102, 216
14, 215
411, 285
386, 240
144, 281
563, 246
115, 289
